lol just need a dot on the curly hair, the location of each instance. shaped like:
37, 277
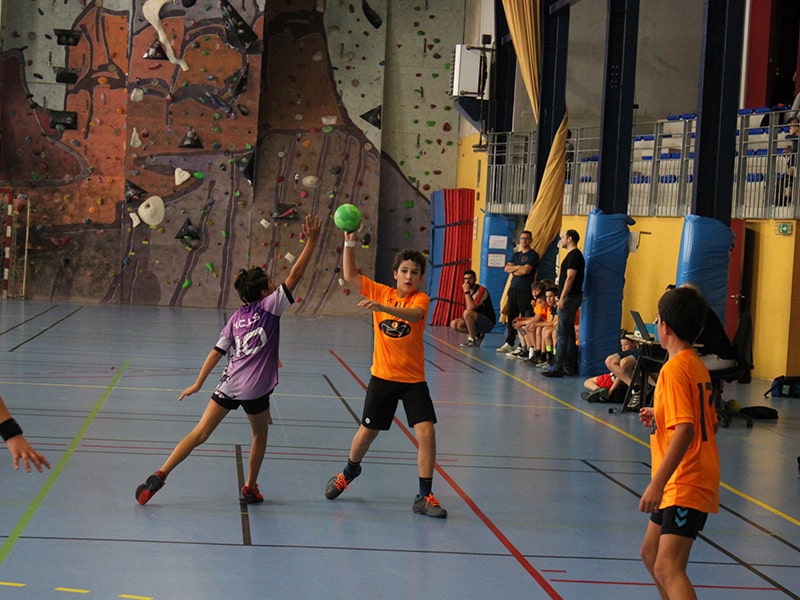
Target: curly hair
409, 254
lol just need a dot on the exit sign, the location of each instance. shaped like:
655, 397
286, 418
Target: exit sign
784, 229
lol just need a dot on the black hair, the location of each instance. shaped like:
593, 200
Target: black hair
553, 289
574, 235
684, 310
471, 272
251, 283
409, 254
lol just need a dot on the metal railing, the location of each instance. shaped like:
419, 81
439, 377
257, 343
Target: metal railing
662, 165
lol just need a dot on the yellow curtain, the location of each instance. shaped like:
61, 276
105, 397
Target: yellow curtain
526, 36
544, 219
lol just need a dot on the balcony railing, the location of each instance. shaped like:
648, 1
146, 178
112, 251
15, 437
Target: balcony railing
661, 174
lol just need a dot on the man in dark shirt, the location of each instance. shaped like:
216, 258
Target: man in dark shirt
713, 345
522, 267
479, 316
570, 296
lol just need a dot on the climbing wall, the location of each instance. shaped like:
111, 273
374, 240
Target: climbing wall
192, 124
419, 123
177, 142
63, 123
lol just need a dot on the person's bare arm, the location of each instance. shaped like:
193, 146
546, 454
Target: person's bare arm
571, 274
208, 365
349, 270
411, 314
18, 446
651, 498
311, 230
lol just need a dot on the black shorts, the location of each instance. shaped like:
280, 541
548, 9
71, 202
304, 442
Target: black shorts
251, 407
483, 323
381, 403
679, 520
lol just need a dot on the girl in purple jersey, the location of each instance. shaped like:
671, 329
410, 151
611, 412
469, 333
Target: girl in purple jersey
252, 336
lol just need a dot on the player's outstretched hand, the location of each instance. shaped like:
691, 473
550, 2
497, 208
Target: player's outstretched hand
312, 227
192, 389
20, 449
370, 305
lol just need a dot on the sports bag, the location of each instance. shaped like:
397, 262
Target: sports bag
784, 386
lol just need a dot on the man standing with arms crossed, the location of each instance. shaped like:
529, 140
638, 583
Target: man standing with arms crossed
522, 267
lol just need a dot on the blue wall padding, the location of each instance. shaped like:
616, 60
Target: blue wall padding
494, 278
606, 254
704, 258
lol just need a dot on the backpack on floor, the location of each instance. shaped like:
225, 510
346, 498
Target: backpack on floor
784, 386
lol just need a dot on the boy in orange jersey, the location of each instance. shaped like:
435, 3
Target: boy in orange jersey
398, 371
685, 463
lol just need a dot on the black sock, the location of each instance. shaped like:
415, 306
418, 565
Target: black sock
351, 470
425, 486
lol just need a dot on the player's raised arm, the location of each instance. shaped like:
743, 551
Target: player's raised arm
311, 230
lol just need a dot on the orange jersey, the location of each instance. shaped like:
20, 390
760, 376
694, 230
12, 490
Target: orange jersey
399, 353
541, 311
683, 395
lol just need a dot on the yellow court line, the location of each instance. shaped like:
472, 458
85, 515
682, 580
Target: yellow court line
12, 584
71, 590
135, 597
731, 489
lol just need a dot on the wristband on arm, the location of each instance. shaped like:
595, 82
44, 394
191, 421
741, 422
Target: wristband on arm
9, 429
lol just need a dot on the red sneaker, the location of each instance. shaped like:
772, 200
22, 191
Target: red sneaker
251, 495
149, 488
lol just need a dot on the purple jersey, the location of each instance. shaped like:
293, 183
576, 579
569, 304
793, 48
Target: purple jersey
253, 333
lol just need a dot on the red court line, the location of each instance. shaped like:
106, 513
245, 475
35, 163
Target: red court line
650, 584
469, 501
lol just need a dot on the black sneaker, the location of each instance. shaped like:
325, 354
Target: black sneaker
335, 486
429, 506
553, 373
598, 395
251, 495
470, 343
149, 488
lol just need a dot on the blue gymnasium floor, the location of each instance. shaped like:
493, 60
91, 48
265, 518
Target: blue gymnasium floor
541, 487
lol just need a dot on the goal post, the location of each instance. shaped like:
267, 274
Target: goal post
14, 266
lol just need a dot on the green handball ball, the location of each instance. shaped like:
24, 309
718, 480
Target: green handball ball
347, 217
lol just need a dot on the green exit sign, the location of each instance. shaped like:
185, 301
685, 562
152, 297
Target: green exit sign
784, 229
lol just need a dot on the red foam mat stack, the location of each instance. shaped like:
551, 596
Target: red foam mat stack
452, 214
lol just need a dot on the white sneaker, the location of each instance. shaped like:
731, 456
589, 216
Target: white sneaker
505, 348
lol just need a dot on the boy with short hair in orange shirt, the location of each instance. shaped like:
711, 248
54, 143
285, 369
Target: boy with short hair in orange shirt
398, 371
685, 462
